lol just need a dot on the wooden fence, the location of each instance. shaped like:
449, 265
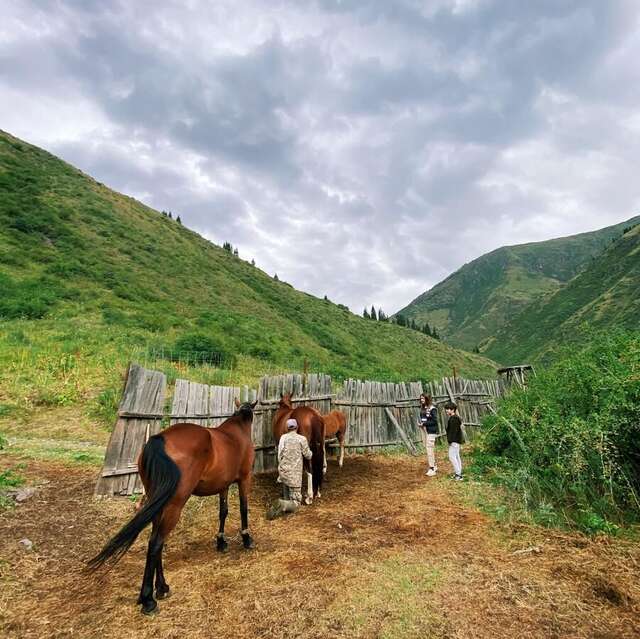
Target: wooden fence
473, 398
139, 417
378, 413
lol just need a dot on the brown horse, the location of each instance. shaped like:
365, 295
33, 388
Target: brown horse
335, 424
311, 425
185, 460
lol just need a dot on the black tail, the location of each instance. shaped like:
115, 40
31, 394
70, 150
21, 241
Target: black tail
317, 460
163, 476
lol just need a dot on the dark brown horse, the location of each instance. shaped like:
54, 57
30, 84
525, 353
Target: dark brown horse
185, 460
335, 424
311, 425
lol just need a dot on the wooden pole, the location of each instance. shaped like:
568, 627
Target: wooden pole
407, 442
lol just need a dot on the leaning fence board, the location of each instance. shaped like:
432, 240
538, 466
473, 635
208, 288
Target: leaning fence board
139, 417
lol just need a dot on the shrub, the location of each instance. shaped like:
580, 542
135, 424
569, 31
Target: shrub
199, 348
569, 446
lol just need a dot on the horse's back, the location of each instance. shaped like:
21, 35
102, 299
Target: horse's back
310, 422
335, 422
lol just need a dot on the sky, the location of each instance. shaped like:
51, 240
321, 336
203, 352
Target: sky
360, 150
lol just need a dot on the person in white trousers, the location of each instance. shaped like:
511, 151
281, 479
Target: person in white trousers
455, 437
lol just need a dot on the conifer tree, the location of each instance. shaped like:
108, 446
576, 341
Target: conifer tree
178, 220
374, 315
365, 313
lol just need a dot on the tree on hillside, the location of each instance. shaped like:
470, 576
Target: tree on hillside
235, 252
426, 329
365, 313
374, 315
381, 316
253, 262
227, 247
170, 216
401, 320
275, 277
178, 220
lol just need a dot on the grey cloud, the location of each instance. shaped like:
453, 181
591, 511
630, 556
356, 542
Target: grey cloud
356, 134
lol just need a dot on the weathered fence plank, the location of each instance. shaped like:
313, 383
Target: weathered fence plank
139, 417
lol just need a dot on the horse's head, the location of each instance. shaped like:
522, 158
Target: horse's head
245, 410
285, 401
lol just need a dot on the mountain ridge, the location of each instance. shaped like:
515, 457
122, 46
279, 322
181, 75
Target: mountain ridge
473, 303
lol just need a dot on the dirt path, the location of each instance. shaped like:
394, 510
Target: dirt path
385, 553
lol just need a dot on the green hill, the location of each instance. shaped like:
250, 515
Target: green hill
476, 301
606, 294
91, 278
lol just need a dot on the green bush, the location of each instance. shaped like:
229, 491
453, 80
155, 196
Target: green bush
28, 299
569, 446
201, 348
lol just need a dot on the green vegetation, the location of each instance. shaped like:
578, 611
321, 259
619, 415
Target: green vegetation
604, 295
568, 448
469, 307
92, 279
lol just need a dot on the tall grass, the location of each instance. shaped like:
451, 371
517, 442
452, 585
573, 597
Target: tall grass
569, 446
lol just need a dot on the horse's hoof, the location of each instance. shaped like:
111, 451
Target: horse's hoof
163, 593
248, 542
308, 501
318, 495
150, 607
221, 544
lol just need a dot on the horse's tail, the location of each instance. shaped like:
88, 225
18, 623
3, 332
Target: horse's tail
317, 448
162, 475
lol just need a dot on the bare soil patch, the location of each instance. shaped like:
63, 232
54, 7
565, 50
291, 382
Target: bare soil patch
386, 552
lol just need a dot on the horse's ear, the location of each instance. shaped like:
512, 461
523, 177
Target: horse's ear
237, 402
254, 404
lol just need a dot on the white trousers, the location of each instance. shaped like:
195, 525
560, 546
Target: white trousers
454, 458
429, 442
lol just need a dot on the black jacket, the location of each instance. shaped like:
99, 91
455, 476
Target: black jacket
454, 430
429, 419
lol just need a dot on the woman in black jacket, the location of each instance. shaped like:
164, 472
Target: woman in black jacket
428, 422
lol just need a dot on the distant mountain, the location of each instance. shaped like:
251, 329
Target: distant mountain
473, 304
96, 274
605, 295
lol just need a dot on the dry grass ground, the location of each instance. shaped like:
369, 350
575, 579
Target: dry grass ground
385, 553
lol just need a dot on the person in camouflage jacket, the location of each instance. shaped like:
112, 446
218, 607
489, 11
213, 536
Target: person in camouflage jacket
291, 449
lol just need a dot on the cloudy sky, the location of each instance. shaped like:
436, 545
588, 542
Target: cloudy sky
362, 150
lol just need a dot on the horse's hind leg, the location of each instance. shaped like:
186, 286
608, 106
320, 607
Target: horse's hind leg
221, 542
244, 487
341, 440
162, 587
153, 567
154, 548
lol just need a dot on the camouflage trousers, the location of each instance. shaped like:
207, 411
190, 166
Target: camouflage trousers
289, 493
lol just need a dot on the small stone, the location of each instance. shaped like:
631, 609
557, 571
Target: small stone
22, 494
27, 543
340, 526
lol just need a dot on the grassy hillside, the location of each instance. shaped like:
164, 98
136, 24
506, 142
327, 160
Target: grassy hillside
606, 294
476, 301
91, 278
